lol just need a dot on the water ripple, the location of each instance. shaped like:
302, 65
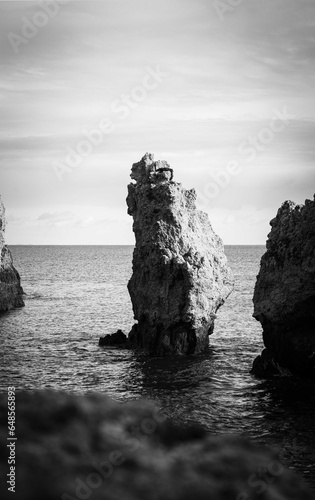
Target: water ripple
76, 294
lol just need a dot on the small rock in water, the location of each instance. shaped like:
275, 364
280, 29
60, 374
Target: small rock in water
116, 339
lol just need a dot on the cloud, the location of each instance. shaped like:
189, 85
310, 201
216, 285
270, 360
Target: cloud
225, 79
59, 219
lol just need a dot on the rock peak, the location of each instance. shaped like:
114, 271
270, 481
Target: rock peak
2, 217
149, 171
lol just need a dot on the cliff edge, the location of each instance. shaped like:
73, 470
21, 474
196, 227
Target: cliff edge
284, 297
11, 291
180, 274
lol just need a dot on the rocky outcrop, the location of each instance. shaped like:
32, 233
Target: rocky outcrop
10, 289
180, 273
90, 448
284, 298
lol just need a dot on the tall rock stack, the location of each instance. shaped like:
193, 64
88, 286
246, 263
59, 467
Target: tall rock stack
284, 298
180, 273
11, 291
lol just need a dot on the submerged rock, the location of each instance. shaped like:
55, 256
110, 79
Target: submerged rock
11, 291
116, 339
180, 273
88, 447
284, 298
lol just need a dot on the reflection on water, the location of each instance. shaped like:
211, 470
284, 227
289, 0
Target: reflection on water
76, 294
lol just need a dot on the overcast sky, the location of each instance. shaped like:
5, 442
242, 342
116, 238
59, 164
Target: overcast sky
224, 94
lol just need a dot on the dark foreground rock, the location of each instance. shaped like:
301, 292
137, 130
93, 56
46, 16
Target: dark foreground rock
88, 447
180, 273
11, 292
118, 339
284, 298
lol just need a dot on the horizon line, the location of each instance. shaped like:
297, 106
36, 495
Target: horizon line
113, 245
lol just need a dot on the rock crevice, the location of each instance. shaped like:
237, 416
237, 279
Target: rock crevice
180, 273
284, 298
11, 291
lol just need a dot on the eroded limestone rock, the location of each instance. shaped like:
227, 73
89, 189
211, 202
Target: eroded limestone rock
180, 273
284, 298
10, 289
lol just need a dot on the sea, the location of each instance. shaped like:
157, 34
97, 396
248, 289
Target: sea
76, 294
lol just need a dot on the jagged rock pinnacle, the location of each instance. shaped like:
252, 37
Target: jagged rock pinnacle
180, 273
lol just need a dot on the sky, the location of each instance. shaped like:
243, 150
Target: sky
221, 89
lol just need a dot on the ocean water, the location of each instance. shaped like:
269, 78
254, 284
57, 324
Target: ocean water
75, 294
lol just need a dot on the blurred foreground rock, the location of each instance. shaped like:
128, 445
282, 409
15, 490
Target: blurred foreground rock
88, 447
11, 291
284, 298
180, 273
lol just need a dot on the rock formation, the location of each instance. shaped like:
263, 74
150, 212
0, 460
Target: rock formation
88, 447
284, 298
10, 288
180, 273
